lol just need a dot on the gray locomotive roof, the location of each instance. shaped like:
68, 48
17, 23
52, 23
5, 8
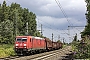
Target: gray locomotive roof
37, 37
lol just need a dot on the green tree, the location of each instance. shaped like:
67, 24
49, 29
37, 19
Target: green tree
13, 21
6, 31
87, 28
59, 41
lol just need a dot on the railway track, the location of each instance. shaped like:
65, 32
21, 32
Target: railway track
52, 55
10, 57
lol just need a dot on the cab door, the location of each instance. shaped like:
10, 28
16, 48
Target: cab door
30, 42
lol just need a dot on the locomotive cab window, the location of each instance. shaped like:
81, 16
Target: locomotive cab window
21, 39
18, 39
24, 39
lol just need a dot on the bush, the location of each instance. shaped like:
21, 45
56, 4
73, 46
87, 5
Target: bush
6, 50
82, 50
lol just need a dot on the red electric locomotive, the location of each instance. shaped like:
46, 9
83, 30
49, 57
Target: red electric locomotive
27, 44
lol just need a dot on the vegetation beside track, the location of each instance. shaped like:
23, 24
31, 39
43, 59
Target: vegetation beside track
81, 50
6, 50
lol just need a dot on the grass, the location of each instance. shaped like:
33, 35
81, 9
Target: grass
6, 50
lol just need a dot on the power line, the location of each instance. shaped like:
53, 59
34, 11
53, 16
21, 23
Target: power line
51, 26
65, 15
61, 8
77, 26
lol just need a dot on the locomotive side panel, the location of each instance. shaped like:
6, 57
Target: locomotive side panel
38, 43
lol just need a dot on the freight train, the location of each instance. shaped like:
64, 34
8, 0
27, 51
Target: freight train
30, 44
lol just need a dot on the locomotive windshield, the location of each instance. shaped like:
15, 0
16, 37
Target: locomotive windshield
21, 39
18, 39
24, 39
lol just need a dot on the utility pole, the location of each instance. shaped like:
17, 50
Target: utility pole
41, 30
58, 37
74, 26
63, 40
68, 33
27, 27
52, 39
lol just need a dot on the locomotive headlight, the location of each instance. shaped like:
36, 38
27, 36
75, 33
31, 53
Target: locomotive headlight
16, 47
16, 44
24, 44
24, 47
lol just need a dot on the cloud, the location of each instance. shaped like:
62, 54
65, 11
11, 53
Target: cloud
58, 23
50, 8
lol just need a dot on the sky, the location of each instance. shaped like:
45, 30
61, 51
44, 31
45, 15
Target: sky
53, 20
